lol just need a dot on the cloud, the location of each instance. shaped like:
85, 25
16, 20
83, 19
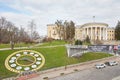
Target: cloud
48, 11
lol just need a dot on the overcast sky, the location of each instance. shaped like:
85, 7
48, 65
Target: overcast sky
44, 12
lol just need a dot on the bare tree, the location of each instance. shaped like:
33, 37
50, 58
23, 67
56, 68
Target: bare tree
32, 28
66, 30
60, 28
3, 25
23, 36
9, 33
33, 33
36, 35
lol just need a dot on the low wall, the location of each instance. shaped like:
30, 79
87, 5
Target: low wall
76, 50
79, 50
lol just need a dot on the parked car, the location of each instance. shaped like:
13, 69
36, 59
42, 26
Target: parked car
100, 66
111, 63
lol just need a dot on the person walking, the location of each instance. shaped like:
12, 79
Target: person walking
115, 49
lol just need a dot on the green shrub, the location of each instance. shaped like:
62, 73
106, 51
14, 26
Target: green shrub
45, 78
75, 69
61, 74
78, 42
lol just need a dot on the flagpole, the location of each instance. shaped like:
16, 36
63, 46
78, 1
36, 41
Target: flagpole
93, 18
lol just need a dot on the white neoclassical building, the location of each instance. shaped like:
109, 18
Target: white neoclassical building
94, 30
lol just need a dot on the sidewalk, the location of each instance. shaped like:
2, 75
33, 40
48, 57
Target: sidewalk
52, 73
2, 49
117, 78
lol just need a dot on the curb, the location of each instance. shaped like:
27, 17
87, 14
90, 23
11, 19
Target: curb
75, 65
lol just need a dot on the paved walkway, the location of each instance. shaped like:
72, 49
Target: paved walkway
2, 49
117, 78
86, 65
30, 47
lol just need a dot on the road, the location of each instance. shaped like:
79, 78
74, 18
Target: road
108, 73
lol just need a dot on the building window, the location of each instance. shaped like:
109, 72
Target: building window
54, 33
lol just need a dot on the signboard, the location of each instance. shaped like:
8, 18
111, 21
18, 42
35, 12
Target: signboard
118, 49
100, 48
115, 47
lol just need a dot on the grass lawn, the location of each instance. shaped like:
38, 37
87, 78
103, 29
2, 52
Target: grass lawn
21, 60
55, 57
52, 43
16, 45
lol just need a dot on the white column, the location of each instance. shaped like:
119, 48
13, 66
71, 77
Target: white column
106, 33
95, 33
83, 33
91, 33
103, 34
100, 33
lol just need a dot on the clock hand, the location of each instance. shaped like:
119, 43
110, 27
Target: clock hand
29, 60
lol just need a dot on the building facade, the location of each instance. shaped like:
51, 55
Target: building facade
52, 32
95, 31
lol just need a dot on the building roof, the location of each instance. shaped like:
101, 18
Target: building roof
111, 27
94, 23
78, 26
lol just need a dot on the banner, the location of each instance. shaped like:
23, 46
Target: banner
101, 48
118, 49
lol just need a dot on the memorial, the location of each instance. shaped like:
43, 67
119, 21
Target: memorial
24, 60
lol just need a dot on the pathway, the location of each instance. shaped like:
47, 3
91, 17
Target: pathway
31, 47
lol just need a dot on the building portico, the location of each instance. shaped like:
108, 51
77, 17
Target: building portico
94, 30
95, 33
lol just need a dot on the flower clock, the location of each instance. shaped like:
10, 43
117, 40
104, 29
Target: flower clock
24, 60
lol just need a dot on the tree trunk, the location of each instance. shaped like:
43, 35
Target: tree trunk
12, 45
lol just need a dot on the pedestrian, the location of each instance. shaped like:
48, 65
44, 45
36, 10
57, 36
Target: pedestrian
115, 49
65, 67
